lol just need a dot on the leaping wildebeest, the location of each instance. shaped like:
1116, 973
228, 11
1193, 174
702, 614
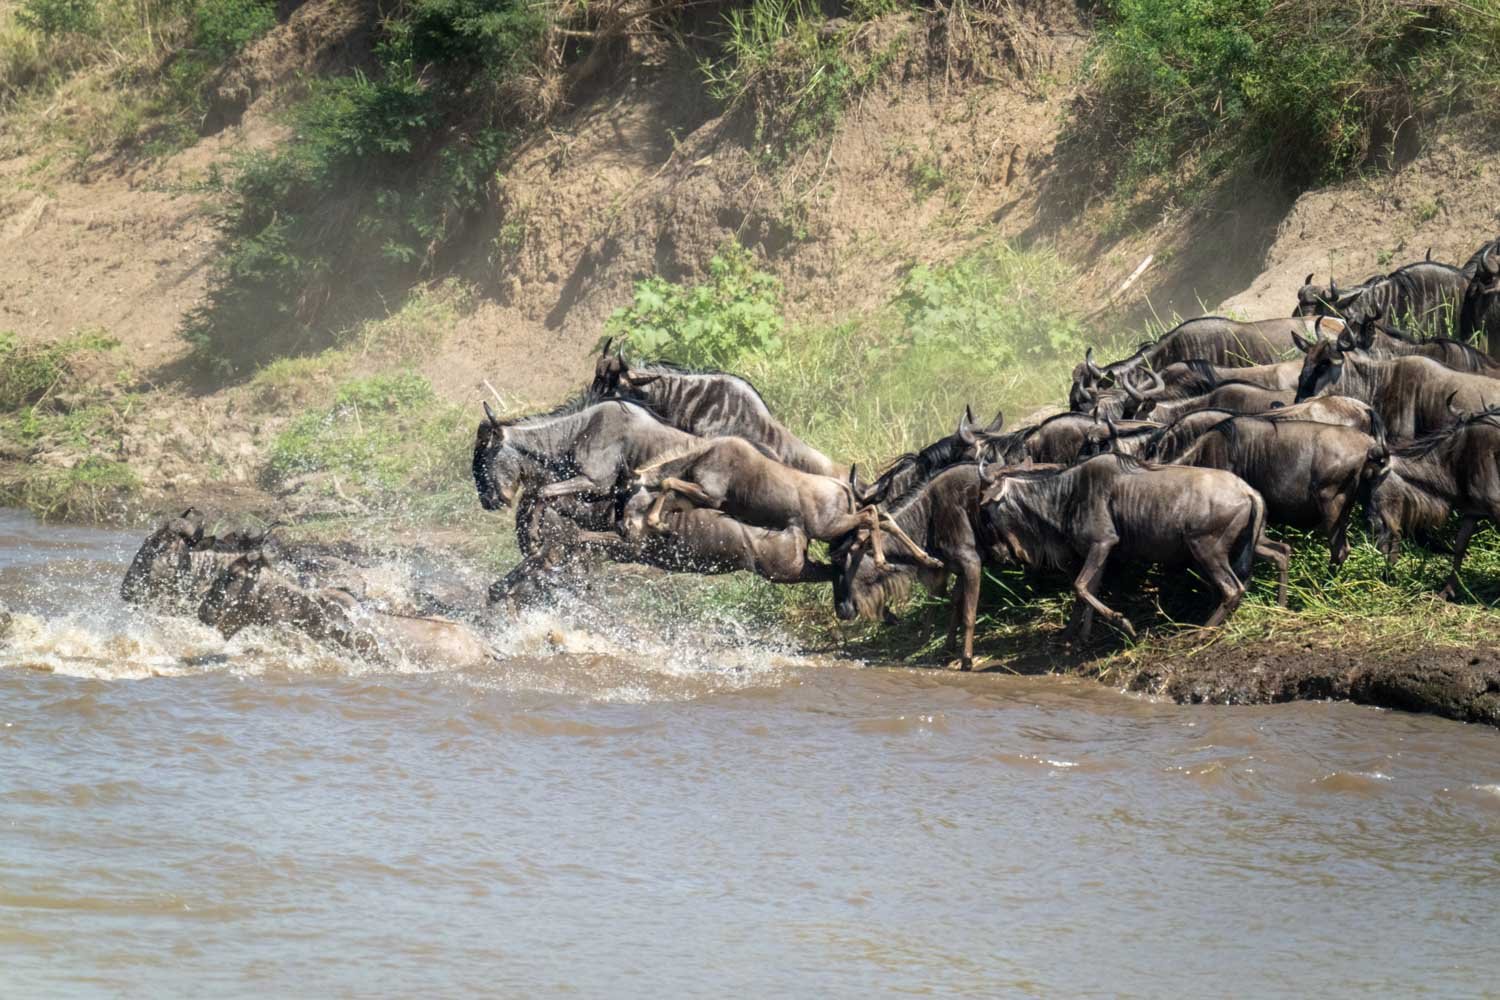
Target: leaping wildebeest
1075, 519
708, 404
1456, 469
731, 475
583, 447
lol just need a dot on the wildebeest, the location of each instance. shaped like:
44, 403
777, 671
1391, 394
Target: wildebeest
943, 513
708, 404
1059, 439
1425, 295
906, 471
1452, 470
1378, 339
1309, 474
585, 446
251, 592
1076, 519
732, 475
1329, 299
176, 563
1217, 340
1413, 396
1480, 312
1183, 380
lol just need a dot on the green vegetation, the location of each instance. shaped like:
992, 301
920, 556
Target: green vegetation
87, 491
384, 439
382, 174
1302, 92
30, 372
131, 75
794, 70
736, 313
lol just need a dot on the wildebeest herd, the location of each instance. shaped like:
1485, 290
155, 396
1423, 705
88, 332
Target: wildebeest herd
1179, 455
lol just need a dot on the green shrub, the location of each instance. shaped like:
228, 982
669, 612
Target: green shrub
223, 27
54, 18
736, 312
493, 35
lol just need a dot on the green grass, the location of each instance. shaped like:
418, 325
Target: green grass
384, 441
88, 491
794, 71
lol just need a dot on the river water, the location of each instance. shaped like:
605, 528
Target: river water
691, 810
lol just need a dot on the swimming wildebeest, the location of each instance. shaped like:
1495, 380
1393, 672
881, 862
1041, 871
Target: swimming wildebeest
1309, 474
943, 512
1076, 519
907, 471
1214, 339
251, 592
732, 475
1413, 396
708, 404
585, 447
1425, 295
174, 566
1480, 312
1452, 470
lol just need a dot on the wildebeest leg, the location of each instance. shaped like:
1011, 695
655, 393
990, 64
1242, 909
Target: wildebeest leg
969, 571
879, 518
1466, 529
1279, 553
1083, 587
578, 484
1213, 560
681, 487
1336, 510
941, 593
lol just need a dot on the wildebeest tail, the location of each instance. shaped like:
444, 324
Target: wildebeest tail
1243, 558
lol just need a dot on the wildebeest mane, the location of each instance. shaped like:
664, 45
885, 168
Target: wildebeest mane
663, 367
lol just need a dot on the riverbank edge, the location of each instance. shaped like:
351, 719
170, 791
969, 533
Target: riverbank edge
1189, 667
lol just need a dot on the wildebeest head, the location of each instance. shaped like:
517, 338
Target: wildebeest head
161, 565
1323, 365
500, 470
1316, 300
613, 375
861, 589
228, 606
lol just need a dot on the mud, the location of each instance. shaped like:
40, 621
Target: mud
1455, 683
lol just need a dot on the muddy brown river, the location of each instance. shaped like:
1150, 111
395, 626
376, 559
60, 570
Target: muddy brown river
681, 807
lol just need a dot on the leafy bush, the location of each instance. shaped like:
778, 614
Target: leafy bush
1304, 92
735, 313
223, 27
54, 18
493, 35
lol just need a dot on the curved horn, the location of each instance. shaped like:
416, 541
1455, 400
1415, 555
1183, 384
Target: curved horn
997, 424
1429, 255
1491, 260
1308, 280
1130, 390
1090, 367
605, 349
489, 415
1158, 385
1453, 409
